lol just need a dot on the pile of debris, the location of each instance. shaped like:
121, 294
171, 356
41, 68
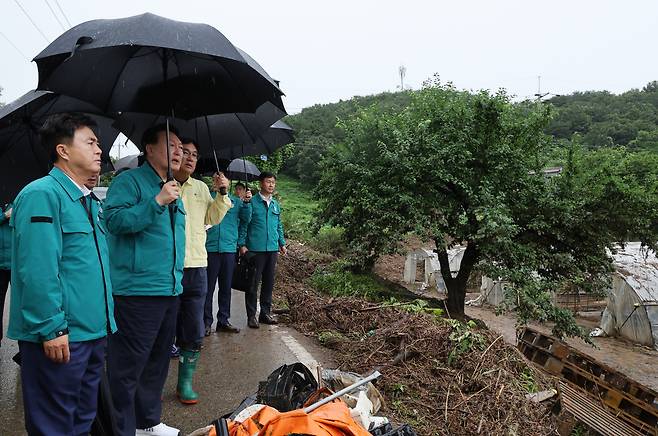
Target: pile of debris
441, 376
293, 402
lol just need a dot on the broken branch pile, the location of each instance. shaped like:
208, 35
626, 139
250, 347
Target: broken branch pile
441, 376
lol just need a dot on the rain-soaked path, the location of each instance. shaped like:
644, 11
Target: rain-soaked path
230, 368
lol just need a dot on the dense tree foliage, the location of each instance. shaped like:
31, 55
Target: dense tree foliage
316, 130
462, 168
604, 119
601, 119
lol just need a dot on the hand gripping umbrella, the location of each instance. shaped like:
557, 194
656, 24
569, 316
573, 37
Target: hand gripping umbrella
22, 158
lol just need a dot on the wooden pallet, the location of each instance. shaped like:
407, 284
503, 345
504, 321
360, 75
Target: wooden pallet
592, 413
626, 399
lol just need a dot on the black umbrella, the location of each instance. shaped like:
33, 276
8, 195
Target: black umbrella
152, 64
242, 169
278, 135
22, 158
212, 132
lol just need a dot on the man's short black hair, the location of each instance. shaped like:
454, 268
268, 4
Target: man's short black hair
150, 135
188, 140
240, 185
266, 175
60, 129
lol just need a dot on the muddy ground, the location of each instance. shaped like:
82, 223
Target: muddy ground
637, 362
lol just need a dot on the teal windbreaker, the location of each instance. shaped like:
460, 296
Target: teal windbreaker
265, 230
60, 274
223, 238
146, 256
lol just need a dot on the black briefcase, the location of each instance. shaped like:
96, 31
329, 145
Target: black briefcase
244, 273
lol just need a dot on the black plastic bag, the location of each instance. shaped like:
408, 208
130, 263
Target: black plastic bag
244, 273
287, 388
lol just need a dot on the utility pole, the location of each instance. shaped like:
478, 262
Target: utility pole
539, 95
403, 71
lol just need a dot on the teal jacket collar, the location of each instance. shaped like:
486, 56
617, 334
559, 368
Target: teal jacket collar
71, 188
147, 168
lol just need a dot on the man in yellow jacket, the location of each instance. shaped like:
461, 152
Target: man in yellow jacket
201, 210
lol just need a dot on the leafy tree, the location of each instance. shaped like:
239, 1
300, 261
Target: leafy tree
645, 140
316, 130
273, 162
463, 168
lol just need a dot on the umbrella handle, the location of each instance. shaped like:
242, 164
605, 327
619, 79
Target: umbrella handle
244, 162
170, 174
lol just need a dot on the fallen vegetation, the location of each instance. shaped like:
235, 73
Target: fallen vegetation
442, 376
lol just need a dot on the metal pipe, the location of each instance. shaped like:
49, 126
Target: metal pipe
342, 392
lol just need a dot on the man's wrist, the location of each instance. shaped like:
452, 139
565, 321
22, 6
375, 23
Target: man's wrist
56, 334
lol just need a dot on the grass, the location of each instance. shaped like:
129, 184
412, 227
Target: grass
336, 280
298, 207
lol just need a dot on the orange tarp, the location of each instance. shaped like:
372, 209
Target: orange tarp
332, 419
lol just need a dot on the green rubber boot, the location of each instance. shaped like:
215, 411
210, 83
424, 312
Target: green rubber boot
186, 369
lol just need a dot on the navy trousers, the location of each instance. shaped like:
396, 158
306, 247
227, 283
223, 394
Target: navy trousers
61, 398
220, 268
190, 327
5, 277
138, 359
265, 269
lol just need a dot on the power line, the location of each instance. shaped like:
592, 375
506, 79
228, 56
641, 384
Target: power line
63, 14
32, 21
15, 46
54, 14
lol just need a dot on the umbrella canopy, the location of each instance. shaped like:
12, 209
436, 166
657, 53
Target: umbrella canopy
242, 169
278, 135
147, 63
212, 132
22, 158
127, 162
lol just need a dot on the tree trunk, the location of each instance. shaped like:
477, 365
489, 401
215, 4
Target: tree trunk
456, 286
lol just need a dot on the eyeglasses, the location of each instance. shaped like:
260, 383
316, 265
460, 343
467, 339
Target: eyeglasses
190, 154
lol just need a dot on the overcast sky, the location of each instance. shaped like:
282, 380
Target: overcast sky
324, 51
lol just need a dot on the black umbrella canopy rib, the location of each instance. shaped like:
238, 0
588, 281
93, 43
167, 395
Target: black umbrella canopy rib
152, 64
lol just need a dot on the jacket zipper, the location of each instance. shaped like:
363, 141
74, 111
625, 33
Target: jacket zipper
172, 217
108, 326
267, 225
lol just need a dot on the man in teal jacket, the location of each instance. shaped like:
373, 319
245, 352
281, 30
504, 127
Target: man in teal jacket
265, 239
222, 245
146, 224
5, 259
61, 294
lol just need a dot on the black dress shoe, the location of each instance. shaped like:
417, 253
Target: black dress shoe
252, 322
208, 331
267, 319
227, 328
